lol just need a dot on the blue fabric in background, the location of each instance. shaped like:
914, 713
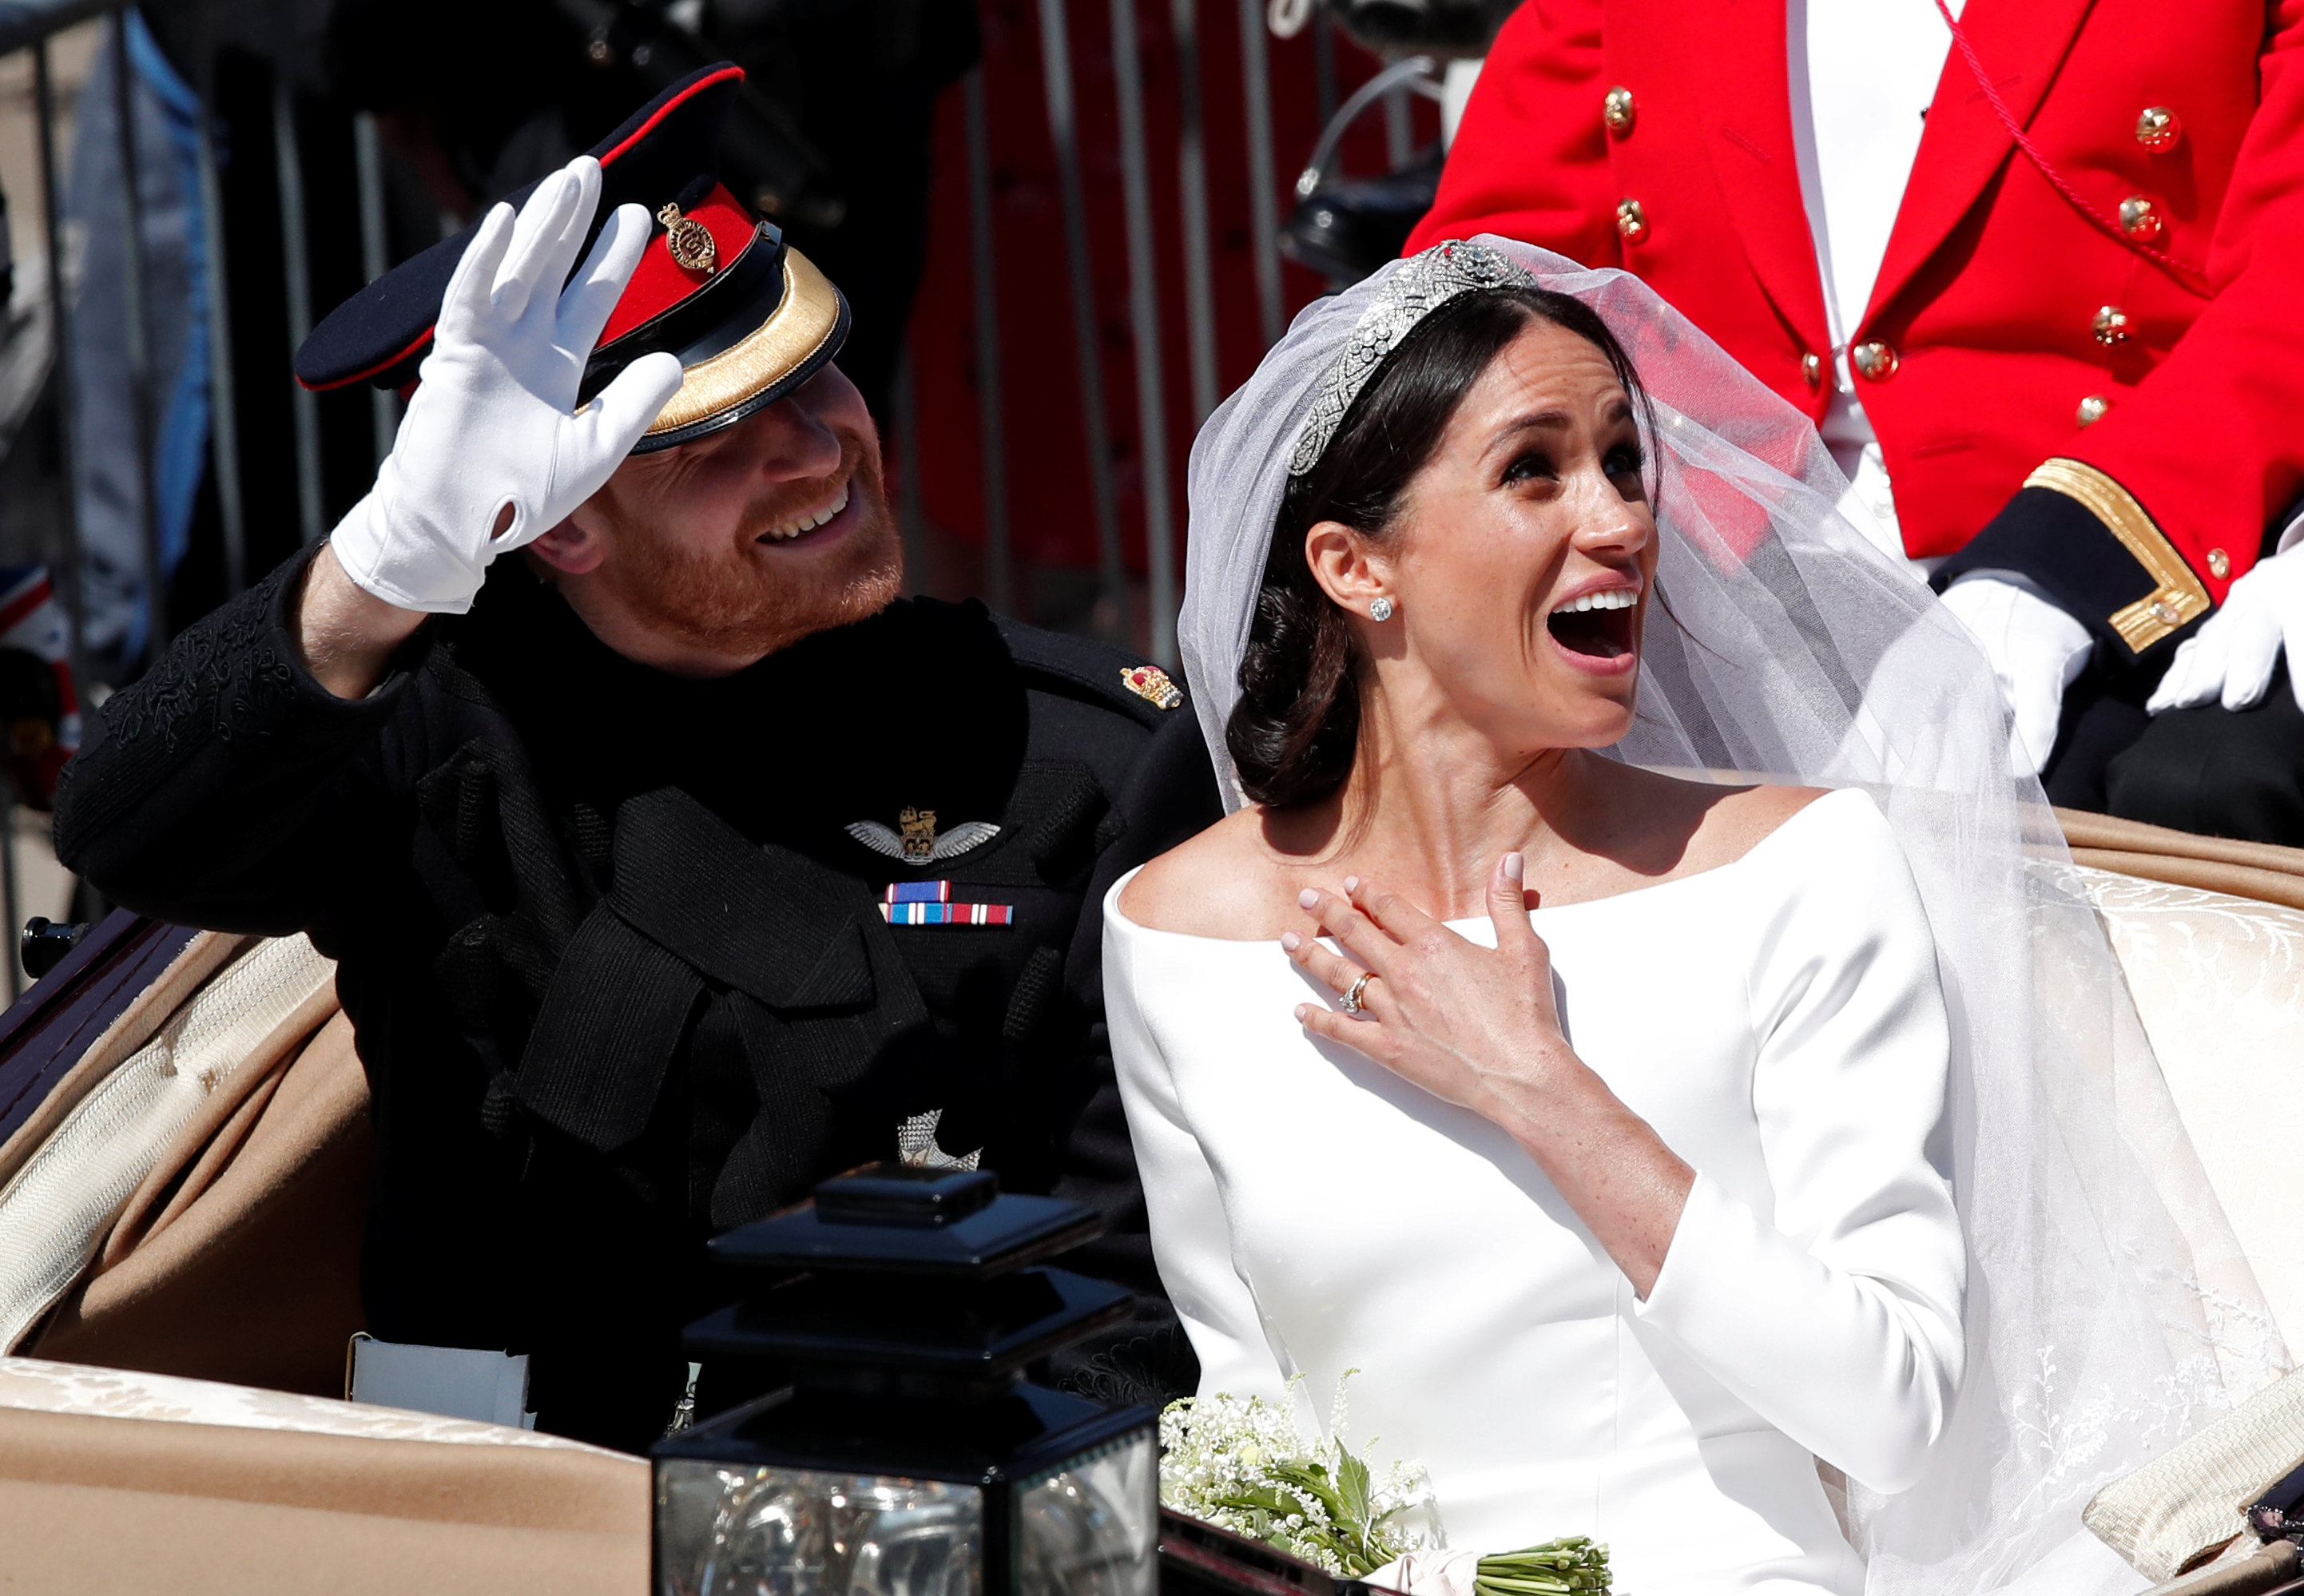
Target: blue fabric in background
117, 614
181, 448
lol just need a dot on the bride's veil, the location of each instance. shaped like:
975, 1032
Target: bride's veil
2109, 1311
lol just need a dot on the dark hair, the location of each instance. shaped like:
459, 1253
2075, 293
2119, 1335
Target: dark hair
1297, 726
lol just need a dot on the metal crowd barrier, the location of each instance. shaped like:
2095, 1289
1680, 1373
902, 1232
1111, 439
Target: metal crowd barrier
1189, 368
29, 25
1159, 364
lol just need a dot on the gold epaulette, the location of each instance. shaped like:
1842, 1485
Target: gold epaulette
2177, 595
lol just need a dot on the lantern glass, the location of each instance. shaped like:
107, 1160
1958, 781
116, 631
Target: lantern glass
730, 1529
910, 1457
1090, 1526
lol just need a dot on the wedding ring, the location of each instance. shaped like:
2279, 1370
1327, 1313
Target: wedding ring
1352, 1004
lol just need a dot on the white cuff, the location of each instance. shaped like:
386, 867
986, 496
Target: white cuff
1831, 1359
360, 546
2006, 578
1706, 1262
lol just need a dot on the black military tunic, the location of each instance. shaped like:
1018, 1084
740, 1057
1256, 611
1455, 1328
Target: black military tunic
618, 951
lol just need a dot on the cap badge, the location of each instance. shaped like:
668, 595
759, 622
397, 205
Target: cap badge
1151, 682
689, 241
916, 841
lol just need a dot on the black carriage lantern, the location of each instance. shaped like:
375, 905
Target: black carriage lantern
909, 1456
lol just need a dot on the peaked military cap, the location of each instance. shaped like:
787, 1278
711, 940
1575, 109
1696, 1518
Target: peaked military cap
750, 316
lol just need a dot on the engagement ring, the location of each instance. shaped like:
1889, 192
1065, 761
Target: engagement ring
1352, 1004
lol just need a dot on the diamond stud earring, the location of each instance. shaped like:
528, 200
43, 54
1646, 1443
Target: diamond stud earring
1381, 609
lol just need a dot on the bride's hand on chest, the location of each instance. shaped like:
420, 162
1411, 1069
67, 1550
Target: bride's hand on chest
1480, 1027
1477, 1026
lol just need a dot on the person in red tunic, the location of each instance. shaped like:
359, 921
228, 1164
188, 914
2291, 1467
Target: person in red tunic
2036, 269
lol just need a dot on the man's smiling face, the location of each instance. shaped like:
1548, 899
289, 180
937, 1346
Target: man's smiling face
744, 542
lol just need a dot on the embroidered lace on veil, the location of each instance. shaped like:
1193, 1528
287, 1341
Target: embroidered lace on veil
2109, 1310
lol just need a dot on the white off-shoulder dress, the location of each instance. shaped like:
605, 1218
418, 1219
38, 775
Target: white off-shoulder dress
1780, 1023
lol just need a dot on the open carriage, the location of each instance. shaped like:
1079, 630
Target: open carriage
183, 1167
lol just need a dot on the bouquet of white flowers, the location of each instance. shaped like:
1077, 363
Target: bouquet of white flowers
1243, 1466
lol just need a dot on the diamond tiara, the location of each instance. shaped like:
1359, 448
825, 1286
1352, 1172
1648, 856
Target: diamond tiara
1427, 281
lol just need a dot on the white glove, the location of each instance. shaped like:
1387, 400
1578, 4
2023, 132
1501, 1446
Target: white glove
490, 427
2037, 650
2231, 656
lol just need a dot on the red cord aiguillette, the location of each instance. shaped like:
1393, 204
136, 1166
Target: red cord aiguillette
2192, 277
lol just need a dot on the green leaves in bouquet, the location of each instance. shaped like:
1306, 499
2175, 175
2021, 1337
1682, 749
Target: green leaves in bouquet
1304, 1510
1352, 1493
1352, 1534
1244, 1465
1245, 1468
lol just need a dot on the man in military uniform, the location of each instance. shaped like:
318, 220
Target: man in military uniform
680, 865
2036, 273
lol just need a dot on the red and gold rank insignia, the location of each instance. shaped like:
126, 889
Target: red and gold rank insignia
1151, 682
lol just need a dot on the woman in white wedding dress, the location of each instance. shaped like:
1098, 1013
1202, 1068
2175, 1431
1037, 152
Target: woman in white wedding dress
1637, 1139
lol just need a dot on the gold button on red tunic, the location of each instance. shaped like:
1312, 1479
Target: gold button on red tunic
2158, 129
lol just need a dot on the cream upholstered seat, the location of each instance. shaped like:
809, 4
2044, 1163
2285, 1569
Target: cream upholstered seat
2219, 982
176, 1063
111, 1479
187, 1197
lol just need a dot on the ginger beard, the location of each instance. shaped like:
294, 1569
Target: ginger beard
740, 596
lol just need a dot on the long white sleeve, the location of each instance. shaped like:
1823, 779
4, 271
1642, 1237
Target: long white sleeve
1192, 1239
1834, 1311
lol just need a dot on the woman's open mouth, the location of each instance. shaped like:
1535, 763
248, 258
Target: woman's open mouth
1596, 629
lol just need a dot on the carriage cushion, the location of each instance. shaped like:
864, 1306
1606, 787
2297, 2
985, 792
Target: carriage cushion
239, 1257
226, 1016
114, 1480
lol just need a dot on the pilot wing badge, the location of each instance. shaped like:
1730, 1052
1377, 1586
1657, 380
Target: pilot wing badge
916, 841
